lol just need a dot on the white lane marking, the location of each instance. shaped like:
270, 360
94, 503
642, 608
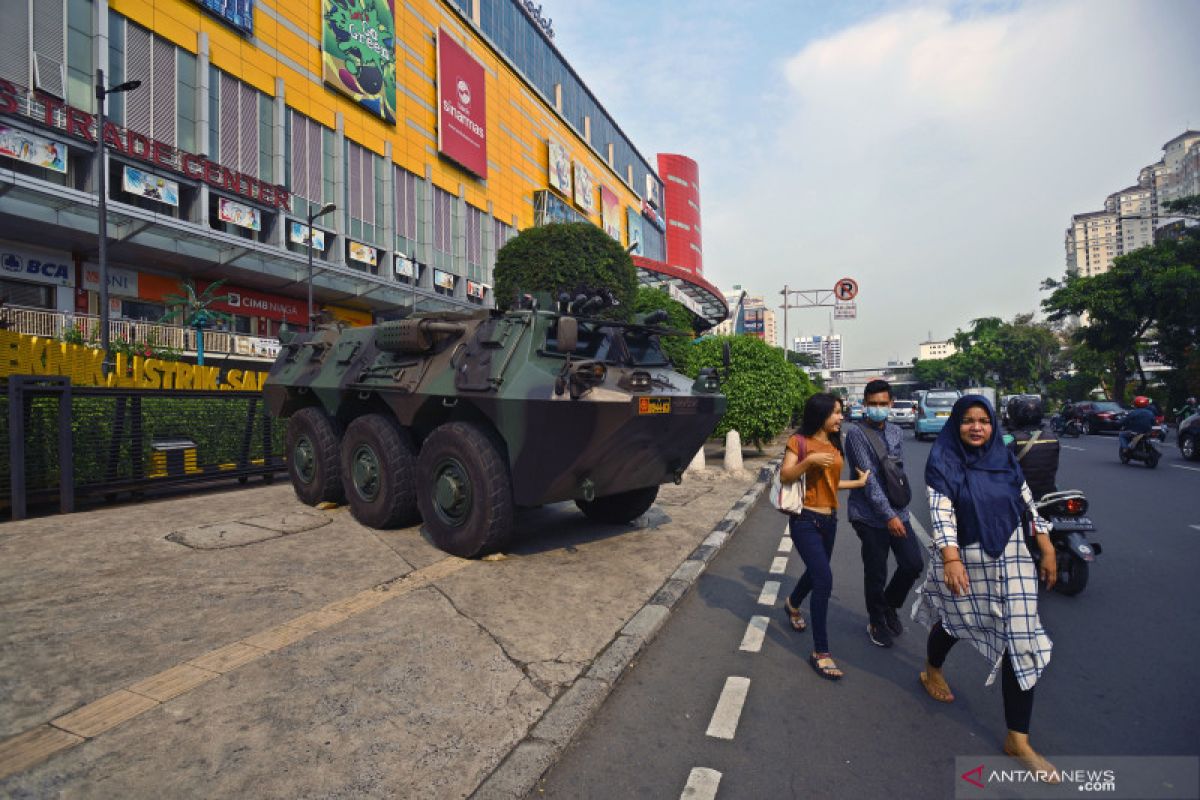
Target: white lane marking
1194, 527
1181, 466
770, 592
1071, 447
752, 642
785, 545
922, 534
729, 708
702, 784
779, 565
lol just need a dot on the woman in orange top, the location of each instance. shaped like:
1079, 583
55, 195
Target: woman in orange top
816, 453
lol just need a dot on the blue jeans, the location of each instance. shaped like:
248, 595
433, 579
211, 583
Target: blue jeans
1124, 438
813, 535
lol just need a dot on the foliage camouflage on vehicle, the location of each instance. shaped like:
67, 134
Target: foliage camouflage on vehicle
462, 416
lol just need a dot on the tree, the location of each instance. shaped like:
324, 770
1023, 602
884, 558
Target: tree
765, 392
1149, 302
194, 310
802, 359
677, 348
1016, 356
565, 257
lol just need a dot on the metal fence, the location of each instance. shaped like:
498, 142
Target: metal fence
127, 440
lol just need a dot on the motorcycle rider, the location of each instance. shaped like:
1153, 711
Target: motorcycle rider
1186, 410
1036, 450
1140, 420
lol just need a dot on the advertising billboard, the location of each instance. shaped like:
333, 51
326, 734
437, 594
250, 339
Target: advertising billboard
299, 235
238, 214
32, 149
634, 220
585, 189
404, 266
652, 194
462, 106
560, 168
475, 289
150, 186
362, 253
445, 280
358, 52
610, 212
238, 13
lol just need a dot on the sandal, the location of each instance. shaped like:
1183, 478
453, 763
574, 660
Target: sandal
825, 666
942, 695
795, 618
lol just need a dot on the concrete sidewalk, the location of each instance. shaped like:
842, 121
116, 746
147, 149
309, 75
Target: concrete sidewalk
239, 643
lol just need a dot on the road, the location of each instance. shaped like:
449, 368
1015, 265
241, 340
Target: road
1121, 681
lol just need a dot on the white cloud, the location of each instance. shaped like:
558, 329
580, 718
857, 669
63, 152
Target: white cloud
938, 155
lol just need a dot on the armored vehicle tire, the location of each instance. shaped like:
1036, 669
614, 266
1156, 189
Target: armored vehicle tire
379, 465
312, 456
617, 508
464, 491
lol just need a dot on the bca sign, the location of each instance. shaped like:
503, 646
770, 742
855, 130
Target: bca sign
846, 289
38, 269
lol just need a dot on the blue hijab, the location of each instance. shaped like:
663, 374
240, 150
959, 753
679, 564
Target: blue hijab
984, 483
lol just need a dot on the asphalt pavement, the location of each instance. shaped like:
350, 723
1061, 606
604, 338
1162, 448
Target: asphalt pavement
721, 703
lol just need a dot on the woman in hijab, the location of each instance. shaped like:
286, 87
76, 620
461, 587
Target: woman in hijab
981, 585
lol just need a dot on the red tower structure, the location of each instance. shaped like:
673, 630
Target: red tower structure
681, 209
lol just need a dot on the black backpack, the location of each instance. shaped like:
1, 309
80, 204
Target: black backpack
895, 481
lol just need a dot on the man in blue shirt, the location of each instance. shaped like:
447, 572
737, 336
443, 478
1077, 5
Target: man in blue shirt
1140, 420
881, 522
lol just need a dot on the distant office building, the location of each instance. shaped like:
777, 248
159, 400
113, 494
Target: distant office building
1133, 216
827, 349
752, 318
928, 351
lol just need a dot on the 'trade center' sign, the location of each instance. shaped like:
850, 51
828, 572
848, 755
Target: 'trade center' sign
462, 106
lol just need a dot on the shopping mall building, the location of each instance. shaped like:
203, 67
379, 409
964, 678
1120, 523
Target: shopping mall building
437, 129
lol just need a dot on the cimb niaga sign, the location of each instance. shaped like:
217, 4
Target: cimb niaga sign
54, 113
462, 106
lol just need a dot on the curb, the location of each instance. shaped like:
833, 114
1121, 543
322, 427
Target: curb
517, 775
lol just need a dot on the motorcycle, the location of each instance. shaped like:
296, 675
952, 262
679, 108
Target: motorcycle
1159, 431
1069, 428
1141, 448
1073, 553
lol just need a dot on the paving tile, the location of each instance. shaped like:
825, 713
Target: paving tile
228, 658
22, 751
107, 712
173, 682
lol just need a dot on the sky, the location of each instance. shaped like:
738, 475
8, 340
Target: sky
934, 152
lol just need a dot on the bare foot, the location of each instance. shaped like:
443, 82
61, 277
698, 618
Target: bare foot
1017, 745
935, 685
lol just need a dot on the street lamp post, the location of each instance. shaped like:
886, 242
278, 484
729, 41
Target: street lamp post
102, 176
325, 209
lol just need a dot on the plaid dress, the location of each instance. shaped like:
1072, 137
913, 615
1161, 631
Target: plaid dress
999, 612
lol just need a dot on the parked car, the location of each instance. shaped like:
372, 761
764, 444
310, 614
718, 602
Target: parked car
903, 413
856, 411
1188, 438
1101, 416
933, 409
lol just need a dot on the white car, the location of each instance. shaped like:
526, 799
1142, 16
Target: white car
903, 413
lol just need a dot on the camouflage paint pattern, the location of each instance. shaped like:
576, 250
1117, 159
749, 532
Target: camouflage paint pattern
497, 370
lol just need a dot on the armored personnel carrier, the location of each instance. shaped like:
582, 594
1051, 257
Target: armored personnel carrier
459, 418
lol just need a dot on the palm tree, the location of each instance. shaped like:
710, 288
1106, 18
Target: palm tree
194, 310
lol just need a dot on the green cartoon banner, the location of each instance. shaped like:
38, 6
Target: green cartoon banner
358, 52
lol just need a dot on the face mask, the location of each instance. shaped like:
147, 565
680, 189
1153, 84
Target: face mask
877, 413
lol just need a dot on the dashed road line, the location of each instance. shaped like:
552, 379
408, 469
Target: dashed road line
779, 565
724, 722
770, 592
785, 544
1181, 466
1072, 447
752, 641
1194, 527
701, 785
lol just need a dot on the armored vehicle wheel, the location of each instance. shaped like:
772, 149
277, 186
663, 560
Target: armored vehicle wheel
379, 472
617, 508
312, 457
464, 491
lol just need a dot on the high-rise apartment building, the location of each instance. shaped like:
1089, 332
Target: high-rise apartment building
827, 349
1132, 216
